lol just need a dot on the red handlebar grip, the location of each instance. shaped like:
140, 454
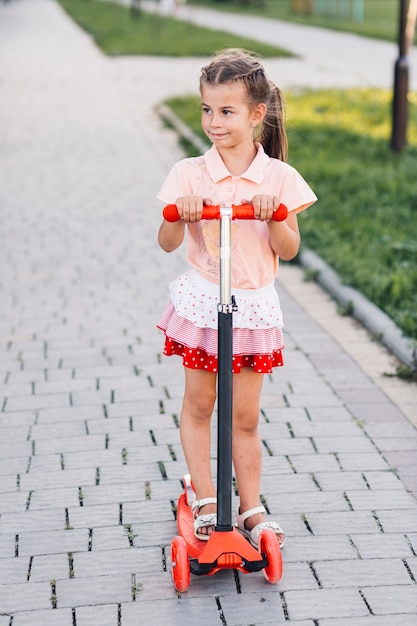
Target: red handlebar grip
170, 213
211, 212
280, 214
245, 212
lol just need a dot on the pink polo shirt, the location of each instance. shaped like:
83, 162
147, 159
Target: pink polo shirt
254, 263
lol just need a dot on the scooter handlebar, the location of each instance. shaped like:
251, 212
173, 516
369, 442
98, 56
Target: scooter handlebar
240, 212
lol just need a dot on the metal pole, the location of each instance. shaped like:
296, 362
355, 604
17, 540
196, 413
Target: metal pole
224, 380
401, 72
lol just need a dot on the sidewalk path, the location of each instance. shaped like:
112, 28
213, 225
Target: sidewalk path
324, 58
90, 459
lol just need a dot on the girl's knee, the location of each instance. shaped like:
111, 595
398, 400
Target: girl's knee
200, 405
246, 420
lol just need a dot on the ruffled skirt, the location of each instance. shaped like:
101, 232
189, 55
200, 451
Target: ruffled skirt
190, 325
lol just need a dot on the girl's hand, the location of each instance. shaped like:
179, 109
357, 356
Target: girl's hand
263, 206
190, 208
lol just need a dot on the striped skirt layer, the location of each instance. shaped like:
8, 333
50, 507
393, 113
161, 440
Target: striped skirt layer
190, 325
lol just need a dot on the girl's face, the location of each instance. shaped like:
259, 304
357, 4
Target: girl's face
227, 118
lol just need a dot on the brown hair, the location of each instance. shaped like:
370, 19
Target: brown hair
236, 64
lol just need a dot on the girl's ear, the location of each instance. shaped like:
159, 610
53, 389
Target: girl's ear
259, 113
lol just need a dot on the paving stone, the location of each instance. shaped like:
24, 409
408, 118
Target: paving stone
288, 483
340, 481
362, 573
63, 478
325, 429
344, 444
392, 599
325, 603
115, 536
101, 589
312, 400
146, 535
51, 617
13, 502
265, 606
26, 521
315, 463
345, 522
295, 575
70, 414
330, 415
118, 561
20, 403
372, 620
107, 615
13, 570
49, 567
376, 499
394, 521
383, 480
307, 549
290, 447
351, 461
307, 502
52, 498
387, 545
53, 542
25, 596
221, 583
15, 450
185, 611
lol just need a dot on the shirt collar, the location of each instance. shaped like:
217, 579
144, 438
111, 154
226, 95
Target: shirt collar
218, 171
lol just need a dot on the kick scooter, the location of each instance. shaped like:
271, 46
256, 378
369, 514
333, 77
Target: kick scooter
226, 548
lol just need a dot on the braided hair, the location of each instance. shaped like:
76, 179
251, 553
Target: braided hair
235, 64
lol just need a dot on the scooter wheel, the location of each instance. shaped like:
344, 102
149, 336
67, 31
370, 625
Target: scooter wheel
180, 565
269, 548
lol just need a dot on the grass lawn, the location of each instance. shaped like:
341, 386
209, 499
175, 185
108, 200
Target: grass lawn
117, 32
365, 223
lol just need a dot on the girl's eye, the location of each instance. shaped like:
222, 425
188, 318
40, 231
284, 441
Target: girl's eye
226, 112
206, 110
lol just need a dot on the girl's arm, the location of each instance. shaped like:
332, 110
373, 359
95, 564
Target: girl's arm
284, 236
171, 234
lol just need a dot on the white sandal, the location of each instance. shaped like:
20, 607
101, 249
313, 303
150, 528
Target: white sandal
253, 535
203, 521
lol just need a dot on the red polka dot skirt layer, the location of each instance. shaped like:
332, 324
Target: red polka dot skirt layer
197, 358
190, 325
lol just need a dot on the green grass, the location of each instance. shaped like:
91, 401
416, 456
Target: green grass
117, 32
380, 17
365, 223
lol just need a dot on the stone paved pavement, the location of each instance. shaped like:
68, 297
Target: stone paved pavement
90, 460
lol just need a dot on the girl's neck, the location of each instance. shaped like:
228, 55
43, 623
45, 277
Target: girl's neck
237, 161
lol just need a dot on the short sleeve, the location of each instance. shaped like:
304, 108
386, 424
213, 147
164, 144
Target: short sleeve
295, 192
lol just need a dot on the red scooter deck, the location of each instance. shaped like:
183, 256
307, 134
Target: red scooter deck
224, 550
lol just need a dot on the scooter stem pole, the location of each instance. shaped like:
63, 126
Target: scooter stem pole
224, 379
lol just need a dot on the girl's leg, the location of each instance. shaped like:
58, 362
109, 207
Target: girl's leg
247, 449
195, 423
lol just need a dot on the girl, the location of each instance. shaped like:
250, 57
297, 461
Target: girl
242, 115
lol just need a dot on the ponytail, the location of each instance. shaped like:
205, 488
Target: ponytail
273, 136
